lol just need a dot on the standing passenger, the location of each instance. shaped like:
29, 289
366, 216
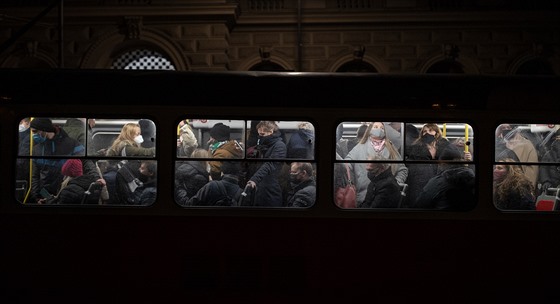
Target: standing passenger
374, 144
265, 179
23, 164
302, 143
222, 146
427, 147
128, 143
452, 188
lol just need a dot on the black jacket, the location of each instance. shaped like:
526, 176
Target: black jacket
382, 192
452, 189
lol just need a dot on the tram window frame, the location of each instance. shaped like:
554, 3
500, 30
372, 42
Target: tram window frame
94, 163
523, 152
244, 137
449, 130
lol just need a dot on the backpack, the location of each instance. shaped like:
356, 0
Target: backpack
226, 199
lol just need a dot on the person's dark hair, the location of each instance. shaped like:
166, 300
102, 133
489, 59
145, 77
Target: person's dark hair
231, 167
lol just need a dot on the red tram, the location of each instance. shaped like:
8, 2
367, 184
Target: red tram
167, 252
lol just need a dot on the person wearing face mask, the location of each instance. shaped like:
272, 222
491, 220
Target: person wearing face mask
383, 191
129, 141
51, 140
264, 176
375, 144
302, 182
512, 190
427, 147
23, 165
549, 176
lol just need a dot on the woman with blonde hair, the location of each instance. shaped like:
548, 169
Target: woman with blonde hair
128, 143
512, 189
375, 144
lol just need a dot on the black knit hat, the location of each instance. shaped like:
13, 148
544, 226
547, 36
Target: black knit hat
42, 124
220, 132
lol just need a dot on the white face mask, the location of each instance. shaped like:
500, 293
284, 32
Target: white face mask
23, 128
139, 139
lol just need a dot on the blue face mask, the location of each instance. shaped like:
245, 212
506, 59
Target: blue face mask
39, 139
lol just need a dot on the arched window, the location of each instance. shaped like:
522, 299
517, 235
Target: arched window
535, 67
142, 60
446, 66
357, 66
267, 66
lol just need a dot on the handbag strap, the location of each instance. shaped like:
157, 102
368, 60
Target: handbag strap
348, 174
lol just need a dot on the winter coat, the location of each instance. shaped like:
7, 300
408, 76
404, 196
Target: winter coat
269, 191
190, 176
362, 152
212, 192
229, 149
303, 194
420, 173
452, 189
301, 145
131, 150
382, 192
75, 191
549, 176
47, 172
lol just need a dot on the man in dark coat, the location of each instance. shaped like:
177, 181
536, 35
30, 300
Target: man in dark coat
303, 192
51, 140
265, 179
452, 188
302, 143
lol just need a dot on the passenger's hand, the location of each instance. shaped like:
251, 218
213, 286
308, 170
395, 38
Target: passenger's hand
252, 184
468, 156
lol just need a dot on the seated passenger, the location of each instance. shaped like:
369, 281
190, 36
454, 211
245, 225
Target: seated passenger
190, 176
302, 182
78, 188
451, 189
383, 191
223, 192
512, 189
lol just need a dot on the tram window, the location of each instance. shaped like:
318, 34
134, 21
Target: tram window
86, 161
405, 165
525, 171
262, 163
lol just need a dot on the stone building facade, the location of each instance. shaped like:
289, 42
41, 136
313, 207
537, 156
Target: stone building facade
382, 36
